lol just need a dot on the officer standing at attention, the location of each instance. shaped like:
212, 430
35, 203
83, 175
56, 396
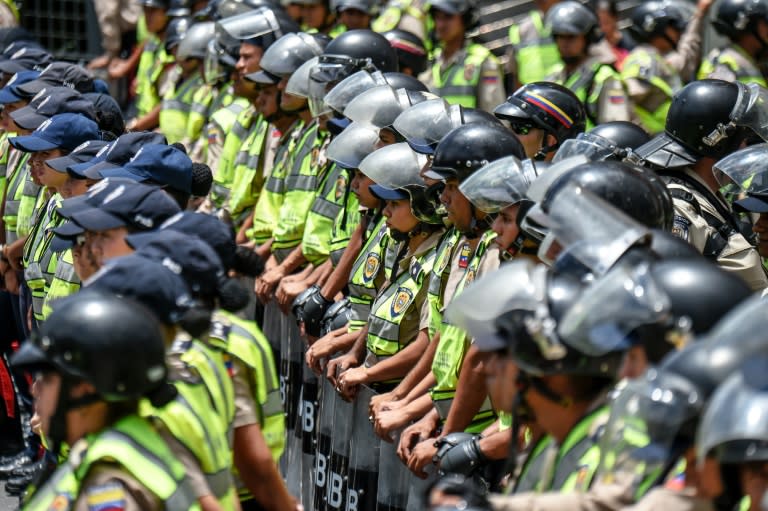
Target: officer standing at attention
95, 358
745, 23
463, 72
588, 63
670, 44
533, 55
699, 131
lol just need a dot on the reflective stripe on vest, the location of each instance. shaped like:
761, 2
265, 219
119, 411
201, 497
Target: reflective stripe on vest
233, 144
248, 175
362, 281
14, 192
347, 222
316, 242
536, 58
267, 209
65, 282
453, 84
393, 303
151, 63
439, 277
644, 63
174, 113
31, 199
735, 59
39, 260
138, 449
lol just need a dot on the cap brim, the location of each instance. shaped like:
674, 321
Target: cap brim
69, 230
97, 220
122, 172
263, 77
30, 357
490, 342
336, 125
139, 240
28, 118
93, 170
509, 110
383, 193
6, 96
436, 175
31, 144
421, 148
752, 204
33, 87
61, 164
73, 205
59, 244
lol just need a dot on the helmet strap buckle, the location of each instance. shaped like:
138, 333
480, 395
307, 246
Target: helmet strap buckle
720, 133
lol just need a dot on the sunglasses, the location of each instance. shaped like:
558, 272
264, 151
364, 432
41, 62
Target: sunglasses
521, 128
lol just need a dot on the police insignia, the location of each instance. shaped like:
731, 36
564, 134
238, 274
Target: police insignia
469, 72
582, 478
443, 262
680, 227
466, 251
371, 266
403, 299
341, 186
107, 497
60, 502
470, 277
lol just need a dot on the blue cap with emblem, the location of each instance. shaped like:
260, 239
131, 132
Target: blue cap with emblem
63, 131
82, 153
49, 102
10, 93
63, 74
25, 58
118, 153
161, 164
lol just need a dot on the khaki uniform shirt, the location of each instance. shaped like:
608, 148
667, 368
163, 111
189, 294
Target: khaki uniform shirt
115, 18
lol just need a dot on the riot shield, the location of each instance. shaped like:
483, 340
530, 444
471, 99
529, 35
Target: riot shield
417, 491
322, 470
392, 492
363, 457
308, 415
338, 478
290, 332
272, 331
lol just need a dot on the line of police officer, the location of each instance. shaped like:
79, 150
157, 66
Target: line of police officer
342, 178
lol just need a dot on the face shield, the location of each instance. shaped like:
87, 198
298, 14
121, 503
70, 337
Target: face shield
645, 421
425, 124
349, 88
538, 189
353, 144
734, 428
498, 185
381, 105
250, 25
598, 235
213, 70
298, 83
288, 53
334, 68
395, 166
750, 111
593, 147
610, 309
741, 331
746, 168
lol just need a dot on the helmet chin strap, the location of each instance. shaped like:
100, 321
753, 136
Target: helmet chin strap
477, 227
544, 150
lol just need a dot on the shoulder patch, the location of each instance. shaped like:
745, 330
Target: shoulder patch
402, 300
680, 227
106, 497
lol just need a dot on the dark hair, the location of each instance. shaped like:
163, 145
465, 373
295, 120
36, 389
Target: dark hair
607, 5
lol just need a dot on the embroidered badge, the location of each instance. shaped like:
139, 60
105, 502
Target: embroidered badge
372, 264
403, 299
466, 251
680, 227
61, 502
107, 497
469, 72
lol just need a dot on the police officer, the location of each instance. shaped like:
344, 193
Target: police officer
670, 42
746, 25
533, 54
87, 396
355, 14
407, 15
543, 115
462, 72
588, 65
684, 155
411, 51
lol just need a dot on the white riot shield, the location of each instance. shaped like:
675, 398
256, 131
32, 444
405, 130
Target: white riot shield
363, 472
393, 489
322, 470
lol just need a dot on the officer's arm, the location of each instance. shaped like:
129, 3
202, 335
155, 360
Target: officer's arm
399, 364
420, 378
470, 393
495, 444
109, 485
340, 275
292, 261
490, 90
148, 122
685, 59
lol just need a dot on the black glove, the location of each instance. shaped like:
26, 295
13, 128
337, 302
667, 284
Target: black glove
463, 458
297, 307
313, 311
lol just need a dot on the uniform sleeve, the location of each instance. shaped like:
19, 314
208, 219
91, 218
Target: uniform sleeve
490, 261
685, 59
613, 102
215, 145
106, 487
688, 225
425, 313
246, 409
490, 90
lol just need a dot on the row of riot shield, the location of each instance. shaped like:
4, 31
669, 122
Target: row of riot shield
333, 459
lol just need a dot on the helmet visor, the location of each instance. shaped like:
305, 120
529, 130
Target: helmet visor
541, 184
599, 235
592, 147
288, 53
610, 309
395, 167
736, 412
746, 168
213, 70
378, 106
751, 110
298, 83
352, 86
425, 124
498, 185
353, 144
334, 68
250, 25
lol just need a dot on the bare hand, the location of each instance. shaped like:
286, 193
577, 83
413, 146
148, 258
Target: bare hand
421, 456
389, 421
412, 435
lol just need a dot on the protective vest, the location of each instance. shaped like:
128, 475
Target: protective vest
31, 199
301, 184
390, 16
533, 467
451, 349
177, 103
328, 204
244, 340
186, 418
151, 63
65, 282
394, 303
735, 59
133, 444
439, 278
248, 175
224, 175
537, 56
644, 63
39, 260
3, 163
587, 84
205, 101
267, 209
219, 125
458, 84
13, 193
367, 274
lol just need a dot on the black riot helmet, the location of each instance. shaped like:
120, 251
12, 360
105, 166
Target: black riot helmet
613, 140
471, 146
112, 343
352, 51
636, 191
650, 19
179, 8
573, 18
229, 8
735, 17
288, 53
548, 106
697, 125
623, 134
410, 49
